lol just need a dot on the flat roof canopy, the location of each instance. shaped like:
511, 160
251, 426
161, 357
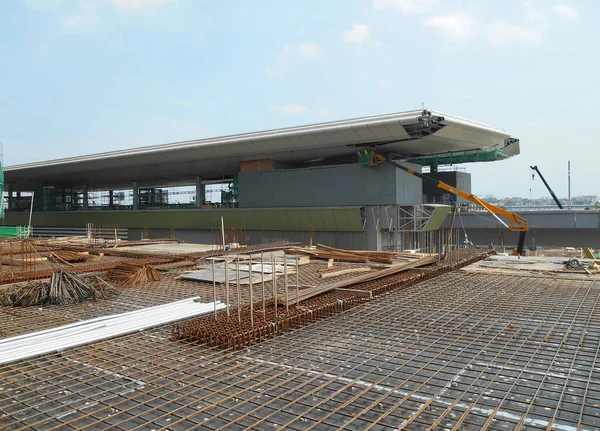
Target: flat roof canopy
405, 134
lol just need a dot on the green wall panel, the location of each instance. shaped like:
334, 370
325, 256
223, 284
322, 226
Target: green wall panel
341, 221
355, 221
344, 219
304, 218
438, 217
329, 220
316, 219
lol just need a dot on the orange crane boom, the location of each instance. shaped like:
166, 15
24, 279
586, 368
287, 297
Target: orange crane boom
517, 223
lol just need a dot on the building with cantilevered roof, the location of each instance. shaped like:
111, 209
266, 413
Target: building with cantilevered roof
280, 183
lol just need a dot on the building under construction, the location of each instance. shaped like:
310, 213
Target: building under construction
275, 185
320, 292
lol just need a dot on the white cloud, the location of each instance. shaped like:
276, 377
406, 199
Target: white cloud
311, 50
533, 14
502, 33
457, 26
83, 19
140, 6
359, 33
566, 12
282, 62
289, 55
405, 6
289, 109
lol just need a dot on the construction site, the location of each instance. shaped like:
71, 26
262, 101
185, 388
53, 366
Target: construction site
364, 288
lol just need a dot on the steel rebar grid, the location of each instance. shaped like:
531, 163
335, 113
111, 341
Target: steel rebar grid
385, 351
244, 333
511, 348
103, 360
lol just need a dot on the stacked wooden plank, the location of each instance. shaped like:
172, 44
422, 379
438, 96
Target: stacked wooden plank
358, 256
337, 273
130, 273
394, 269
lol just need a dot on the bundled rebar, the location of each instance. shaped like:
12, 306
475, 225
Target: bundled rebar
130, 273
69, 256
63, 288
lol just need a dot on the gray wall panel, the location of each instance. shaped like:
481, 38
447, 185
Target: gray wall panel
536, 219
586, 220
583, 237
339, 185
460, 180
409, 189
548, 228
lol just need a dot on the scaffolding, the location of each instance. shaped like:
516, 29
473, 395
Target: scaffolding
74, 199
102, 235
153, 198
415, 227
229, 196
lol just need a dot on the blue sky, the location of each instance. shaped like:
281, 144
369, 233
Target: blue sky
87, 76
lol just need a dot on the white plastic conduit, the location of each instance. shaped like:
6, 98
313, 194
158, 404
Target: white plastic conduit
101, 328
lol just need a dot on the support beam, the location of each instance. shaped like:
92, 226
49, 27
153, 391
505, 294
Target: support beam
11, 201
200, 192
136, 195
86, 204
111, 201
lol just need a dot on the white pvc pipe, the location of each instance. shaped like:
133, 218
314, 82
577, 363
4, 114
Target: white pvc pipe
128, 314
52, 345
101, 328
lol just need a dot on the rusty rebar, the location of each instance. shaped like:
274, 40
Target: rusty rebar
262, 280
225, 334
251, 294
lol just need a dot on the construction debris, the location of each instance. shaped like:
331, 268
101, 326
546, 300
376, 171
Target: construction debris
63, 288
539, 266
130, 273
